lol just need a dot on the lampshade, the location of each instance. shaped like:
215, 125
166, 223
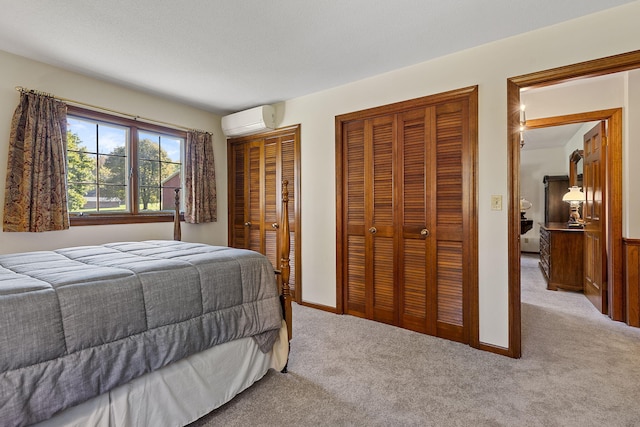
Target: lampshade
525, 204
574, 195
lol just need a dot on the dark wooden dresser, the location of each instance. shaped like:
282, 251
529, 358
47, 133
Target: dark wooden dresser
561, 256
555, 210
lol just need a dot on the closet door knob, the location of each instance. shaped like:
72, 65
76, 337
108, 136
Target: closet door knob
247, 224
275, 225
424, 232
373, 230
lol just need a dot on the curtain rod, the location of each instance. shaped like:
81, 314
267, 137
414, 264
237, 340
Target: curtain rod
96, 107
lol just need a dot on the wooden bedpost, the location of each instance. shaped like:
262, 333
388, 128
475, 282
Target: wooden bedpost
176, 217
285, 268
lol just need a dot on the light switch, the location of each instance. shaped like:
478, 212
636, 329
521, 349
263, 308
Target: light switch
496, 202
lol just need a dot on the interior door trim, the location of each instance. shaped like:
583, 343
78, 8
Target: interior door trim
597, 67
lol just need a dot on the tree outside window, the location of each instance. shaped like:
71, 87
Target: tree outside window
119, 168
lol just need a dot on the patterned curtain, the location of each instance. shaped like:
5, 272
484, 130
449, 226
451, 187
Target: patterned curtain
36, 194
200, 179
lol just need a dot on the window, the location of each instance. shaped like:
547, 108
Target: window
120, 170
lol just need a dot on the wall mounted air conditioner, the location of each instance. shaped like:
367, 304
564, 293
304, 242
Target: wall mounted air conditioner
250, 121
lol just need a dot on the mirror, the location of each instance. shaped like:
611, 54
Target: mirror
576, 164
575, 168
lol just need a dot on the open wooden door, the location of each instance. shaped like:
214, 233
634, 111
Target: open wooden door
595, 238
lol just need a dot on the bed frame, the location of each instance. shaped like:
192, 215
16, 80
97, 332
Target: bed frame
284, 271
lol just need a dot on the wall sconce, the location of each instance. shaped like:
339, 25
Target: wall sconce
574, 197
523, 124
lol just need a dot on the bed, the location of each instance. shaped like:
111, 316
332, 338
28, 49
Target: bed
155, 333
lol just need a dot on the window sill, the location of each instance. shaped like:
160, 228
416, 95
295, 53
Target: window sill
78, 220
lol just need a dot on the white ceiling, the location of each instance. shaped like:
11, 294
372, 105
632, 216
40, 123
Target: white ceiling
550, 137
228, 55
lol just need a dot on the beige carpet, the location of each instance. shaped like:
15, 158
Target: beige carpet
578, 369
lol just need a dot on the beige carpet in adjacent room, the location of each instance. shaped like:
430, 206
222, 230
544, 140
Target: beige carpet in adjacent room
578, 368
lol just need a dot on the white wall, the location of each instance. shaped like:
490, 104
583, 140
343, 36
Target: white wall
488, 66
18, 71
534, 165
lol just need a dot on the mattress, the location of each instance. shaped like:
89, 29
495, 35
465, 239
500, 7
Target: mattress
78, 322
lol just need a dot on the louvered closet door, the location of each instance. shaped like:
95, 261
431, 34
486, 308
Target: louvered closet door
257, 166
417, 234
287, 161
403, 197
453, 186
371, 289
271, 195
254, 224
256, 210
247, 170
355, 298
371, 257
279, 161
239, 233
379, 219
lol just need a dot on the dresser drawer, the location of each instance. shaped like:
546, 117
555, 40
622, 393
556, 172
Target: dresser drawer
544, 236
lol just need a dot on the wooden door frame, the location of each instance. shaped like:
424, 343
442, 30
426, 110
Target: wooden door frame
597, 67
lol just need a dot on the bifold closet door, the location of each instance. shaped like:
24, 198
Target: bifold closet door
279, 165
379, 219
453, 192
370, 219
257, 168
404, 198
248, 230
387, 238
416, 236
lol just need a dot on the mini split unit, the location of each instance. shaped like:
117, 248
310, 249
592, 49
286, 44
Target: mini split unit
250, 121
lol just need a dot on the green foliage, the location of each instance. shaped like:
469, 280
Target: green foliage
80, 169
114, 171
153, 166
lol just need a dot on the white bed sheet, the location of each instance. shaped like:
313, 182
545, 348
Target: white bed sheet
182, 392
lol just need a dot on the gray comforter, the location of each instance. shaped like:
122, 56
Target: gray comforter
77, 322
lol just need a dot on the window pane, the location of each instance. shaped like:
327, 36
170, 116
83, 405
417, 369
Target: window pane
112, 139
172, 147
149, 173
96, 155
113, 170
112, 198
81, 135
81, 167
171, 179
148, 146
149, 198
168, 199
100, 170
170, 174
81, 197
